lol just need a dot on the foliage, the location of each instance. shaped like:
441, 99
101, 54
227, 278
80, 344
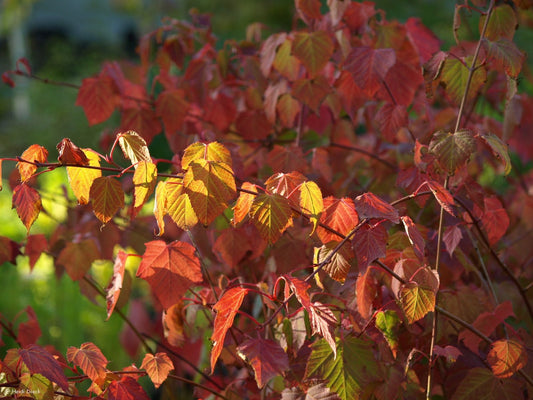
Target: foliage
321, 230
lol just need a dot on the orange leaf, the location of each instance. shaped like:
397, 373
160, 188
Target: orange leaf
506, 357
158, 367
115, 284
271, 214
226, 309
81, 179
134, 147
286, 185
27, 202
107, 197
160, 206
232, 245
172, 107
366, 290
213, 151
311, 92
34, 153
77, 258
144, 181
340, 263
170, 270
90, 359
338, 214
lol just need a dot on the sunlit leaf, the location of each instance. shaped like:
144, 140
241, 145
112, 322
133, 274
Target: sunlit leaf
160, 206
90, 359
226, 308
77, 258
27, 202
416, 239
287, 185
416, 301
213, 151
300, 289
115, 284
338, 214
81, 179
311, 202
266, 357
323, 323
313, 49
341, 261
39, 361
34, 153
316, 392
499, 149
506, 357
452, 149
178, 205
107, 197
271, 214
244, 203
134, 147
174, 324
158, 366
69, 153
144, 181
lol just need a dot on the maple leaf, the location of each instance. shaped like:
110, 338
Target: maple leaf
340, 263
158, 366
369, 243
366, 289
271, 214
339, 215
311, 92
313, 49
35, 246
452, 149
107, 197
506, 357
171, 106
34, 153
81, 179
209, 185
39, 361
170, 270
90, 359
266, 357
126, 388
134, 147
144, 181
77, 258
416, 239
98, 96
115, 284
368, 205
226, 308
369, 67
69, 153
213, 151
27, 201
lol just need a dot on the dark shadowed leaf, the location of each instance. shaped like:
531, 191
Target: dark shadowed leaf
451, 238
126, 388
502, 24
29, 331
499, 149
313, 49
266, 357
77, 257
369, 67
480, 383
368, 205
98, 97
39, 361
311, 92
369, 243
506, 56
452, 149
388, 323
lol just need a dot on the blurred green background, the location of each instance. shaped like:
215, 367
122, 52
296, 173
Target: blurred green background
68, 49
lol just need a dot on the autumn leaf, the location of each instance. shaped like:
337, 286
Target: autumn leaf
416, 301
178, 204
266, 357
368, 205
77, 258
170, 270
480, 383
69, 153
98, 96
339, 215
311, 202
226, 308
158, 366
451, 238
300, 289
341, 261
454, 75
27, 201
134, 147
443, 196
369, 243
213, 151
144, 181
29, 331
81, 179
107, 197
499, 149
141, 119
388, 324
416, 239
288, 108
244, 203
452, 149
313, 49
271, 214
494, 219
369, 67
506, 56
127, 388
316, 392
115, 284
502, 23
171, 106
366, 289
506, 357
309, 8
90, 359
285, 63
323, 323
39, 361
287, 185
232, 246
34, 153
160, 206
35, 246
311, 92
174, 324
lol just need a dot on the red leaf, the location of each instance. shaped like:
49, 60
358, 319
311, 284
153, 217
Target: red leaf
366, 290
451, 238
221, 112
69, 153
158, 367
391, 118
77, 258
299, 288
9, 250
90, 359
39, 361
7, 79
286, 185
142, 120
231, 246
226, 309
323, 322
416, 239
368, 205
253, 124
369, 243
400, 84
266, 357
311, 92
442, 195
425, 41
338, 214
170, 270
98, 97
451, 353
369, 67
308, 9
172, 108
126, 389
30, 331
115, 284
35, 246
27, 202
494, 219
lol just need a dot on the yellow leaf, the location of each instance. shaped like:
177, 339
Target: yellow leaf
160, 206
144, 180
107, 197
179, 205
134, 147
81, 178
416, 301
205, 151
311, 202
271, 214
244, 203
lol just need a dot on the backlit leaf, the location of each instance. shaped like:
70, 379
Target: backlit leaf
286, 185
480, 383
115, 284
27, 202
244, 203
226, 308
213, 151
316, 392
506, 357
170, 270
209, 185
158, 366
442, 195
174, 324
107, 197
81, 179
34, 153
311, 202
178, 205
502, 24
266, 357
323, 323
77, 258
90, 359
338, 214
369, 67
499, 149
452, 149
35, 246
134, 147
416, 239
454, 75
348, 372
368, 205
271, 214
369, 243
366, 289
69, 153
340, 263
311, 92
313, 49
98, 97
300, 289
39, 361
160, 206
144, 181
506, 56
40, 387
416, 301
388, 324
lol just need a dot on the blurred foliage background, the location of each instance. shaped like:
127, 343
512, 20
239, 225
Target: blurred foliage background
72, 47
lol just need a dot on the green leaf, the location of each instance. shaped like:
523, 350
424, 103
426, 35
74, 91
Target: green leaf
271, 214
452, 149
388, 323
454, 75
349, 372
313, 49
502, 23
499, 149
416, 301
